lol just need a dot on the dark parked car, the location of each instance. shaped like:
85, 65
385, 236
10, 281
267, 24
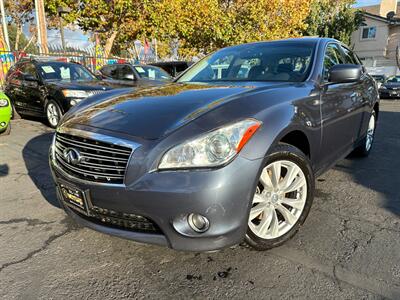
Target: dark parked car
172, 67
135, 75
227, 152
51, 88
390, 88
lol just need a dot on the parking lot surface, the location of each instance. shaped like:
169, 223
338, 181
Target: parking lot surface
349, 247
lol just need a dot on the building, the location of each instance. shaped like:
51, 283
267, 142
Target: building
377, 42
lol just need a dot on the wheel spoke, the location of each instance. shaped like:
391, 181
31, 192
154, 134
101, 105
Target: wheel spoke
287, 214
265, 222
256, 211
295, 203
292, 171
298, 183
274, 224
276, 174
258, 198
266, 180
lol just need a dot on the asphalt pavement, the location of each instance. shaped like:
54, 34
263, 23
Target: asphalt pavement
349, 247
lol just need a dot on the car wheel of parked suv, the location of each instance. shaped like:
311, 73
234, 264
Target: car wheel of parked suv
282, 199
53, 113
366, 144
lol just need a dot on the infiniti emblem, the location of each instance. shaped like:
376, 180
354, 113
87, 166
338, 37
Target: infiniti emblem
72, 156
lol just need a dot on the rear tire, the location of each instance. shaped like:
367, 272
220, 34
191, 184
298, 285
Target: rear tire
366, 144
53, 113
282, 200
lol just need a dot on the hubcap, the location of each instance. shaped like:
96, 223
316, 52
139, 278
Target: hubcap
52, 114
279, 199
370, 133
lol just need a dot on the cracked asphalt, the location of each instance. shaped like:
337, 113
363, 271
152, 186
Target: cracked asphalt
348, 248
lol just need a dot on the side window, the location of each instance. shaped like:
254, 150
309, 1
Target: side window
125, 72
332, 57
28, 69
349, 57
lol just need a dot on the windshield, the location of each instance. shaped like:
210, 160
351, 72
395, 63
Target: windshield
152, 73
288, 62
394, 79
57, 71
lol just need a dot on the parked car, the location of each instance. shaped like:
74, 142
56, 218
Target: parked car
218, 156
51, 88
174, 68
379, 79
5, 114
390, 88
135, 75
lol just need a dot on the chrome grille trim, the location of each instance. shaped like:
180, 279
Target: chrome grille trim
104, 159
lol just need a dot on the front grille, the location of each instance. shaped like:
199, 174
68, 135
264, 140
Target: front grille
99, 161
120, 220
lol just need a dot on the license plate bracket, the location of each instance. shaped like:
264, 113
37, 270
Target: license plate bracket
74, 198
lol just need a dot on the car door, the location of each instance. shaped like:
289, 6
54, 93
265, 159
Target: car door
368, 94
338, 109
13, 87
31, 87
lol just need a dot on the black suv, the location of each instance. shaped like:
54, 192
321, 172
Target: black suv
51, 88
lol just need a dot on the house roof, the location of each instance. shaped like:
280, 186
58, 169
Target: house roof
394, 21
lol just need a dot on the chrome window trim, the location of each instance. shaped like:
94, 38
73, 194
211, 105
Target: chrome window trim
101, 138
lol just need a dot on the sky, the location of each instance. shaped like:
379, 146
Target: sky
78, 39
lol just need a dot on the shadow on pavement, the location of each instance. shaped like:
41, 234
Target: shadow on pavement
381, 170
35, 154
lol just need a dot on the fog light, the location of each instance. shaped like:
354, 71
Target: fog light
198, 222
2, 124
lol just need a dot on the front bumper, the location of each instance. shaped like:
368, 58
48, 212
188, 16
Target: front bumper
389, 94
222, 195
5, 116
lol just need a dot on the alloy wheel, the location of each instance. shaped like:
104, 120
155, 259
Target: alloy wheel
53, 115
279, 200
370, 133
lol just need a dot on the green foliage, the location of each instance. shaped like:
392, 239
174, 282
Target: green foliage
333, 18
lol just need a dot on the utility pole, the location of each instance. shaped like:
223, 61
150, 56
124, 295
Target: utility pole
62, 10
5, 29
41, 26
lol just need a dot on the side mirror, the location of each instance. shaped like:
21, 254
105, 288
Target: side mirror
30, 78
345, 73
128, 77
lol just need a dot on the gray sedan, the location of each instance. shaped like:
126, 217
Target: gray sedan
228, 152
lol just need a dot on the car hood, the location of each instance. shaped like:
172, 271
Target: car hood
151, 113
391, 84
84, 85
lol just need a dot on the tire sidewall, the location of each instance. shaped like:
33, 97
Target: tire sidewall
293, 154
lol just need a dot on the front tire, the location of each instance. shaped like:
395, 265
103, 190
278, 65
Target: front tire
53, 113
282, 200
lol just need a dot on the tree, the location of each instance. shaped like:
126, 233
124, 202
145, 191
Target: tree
333, 18
20, 13
24, 44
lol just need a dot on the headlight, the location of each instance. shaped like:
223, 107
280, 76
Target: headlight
53, 147
383, 87
75, 94
3, 102
211, 149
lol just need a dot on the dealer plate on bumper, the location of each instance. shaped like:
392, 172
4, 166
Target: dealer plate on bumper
74, 198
